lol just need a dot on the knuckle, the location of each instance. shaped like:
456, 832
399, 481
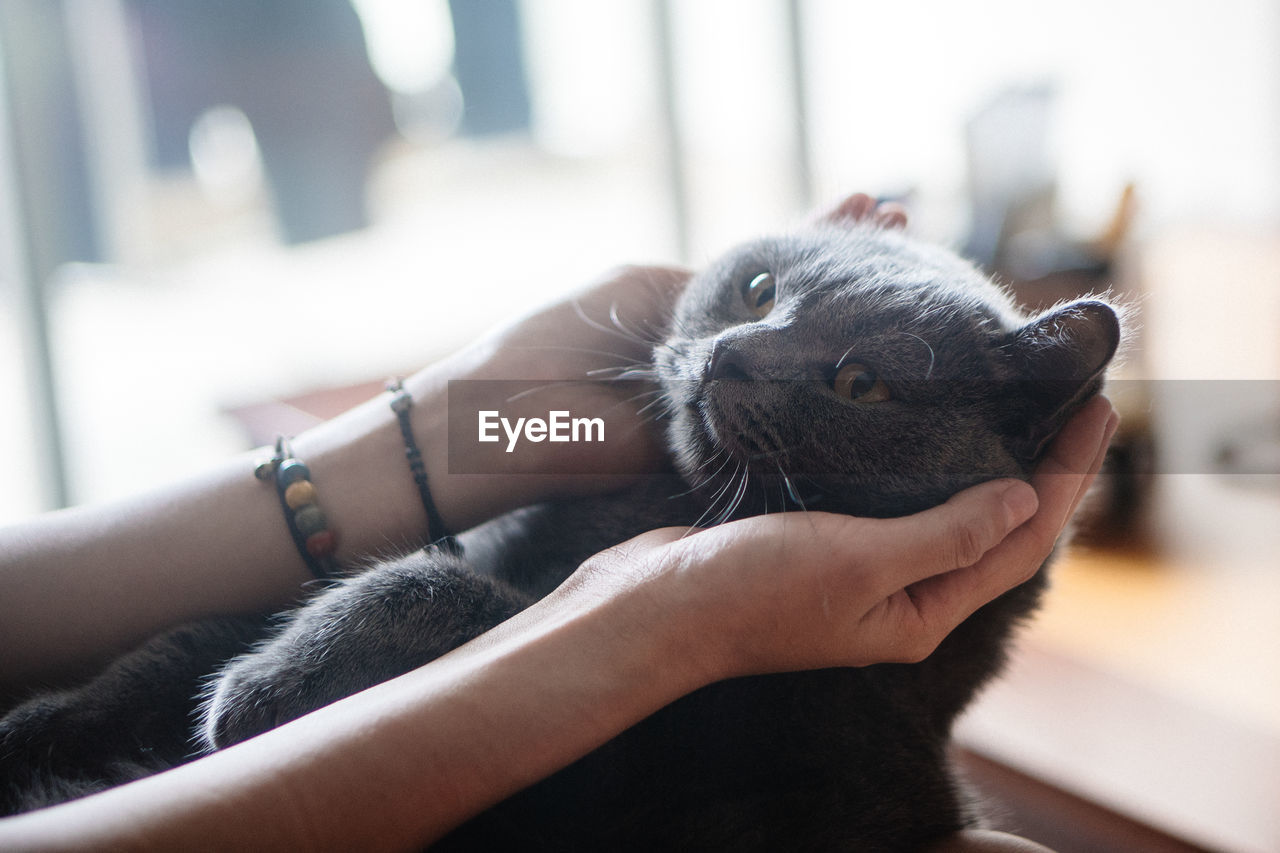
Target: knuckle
968, 543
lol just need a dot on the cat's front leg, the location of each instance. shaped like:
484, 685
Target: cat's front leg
370, 628
129, 721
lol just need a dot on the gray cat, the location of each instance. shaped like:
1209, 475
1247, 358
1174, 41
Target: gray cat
842, 367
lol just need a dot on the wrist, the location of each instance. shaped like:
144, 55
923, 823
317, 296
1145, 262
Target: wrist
364, 484
697, 590
466, 491
644, 588
471, 481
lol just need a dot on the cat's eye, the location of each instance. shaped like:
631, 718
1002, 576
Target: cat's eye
859, 384
759, 294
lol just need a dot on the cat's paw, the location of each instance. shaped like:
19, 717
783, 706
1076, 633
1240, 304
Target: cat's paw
250, 696
371, 628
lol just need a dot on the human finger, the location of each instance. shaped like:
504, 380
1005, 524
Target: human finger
1061, 482
948, 598
891, 215
1113, 423
1068, 469
952, 535
857, 207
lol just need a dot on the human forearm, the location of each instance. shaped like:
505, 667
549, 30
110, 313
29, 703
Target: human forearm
80, 585
76, 587
443, 742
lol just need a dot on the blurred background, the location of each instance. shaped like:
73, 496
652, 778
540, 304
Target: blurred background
208, 208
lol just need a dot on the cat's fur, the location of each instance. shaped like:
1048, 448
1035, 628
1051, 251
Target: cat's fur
841, 759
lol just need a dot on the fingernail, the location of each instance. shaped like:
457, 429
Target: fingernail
1020, 503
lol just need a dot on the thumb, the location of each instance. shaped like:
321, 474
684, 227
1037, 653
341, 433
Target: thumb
959, 532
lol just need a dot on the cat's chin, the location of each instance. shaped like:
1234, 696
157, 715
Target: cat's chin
730, 485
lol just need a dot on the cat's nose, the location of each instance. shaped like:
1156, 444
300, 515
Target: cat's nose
726, 362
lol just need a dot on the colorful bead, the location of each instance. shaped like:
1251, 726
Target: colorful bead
322, 544
308, 526
291, 471
309, 520
300, 494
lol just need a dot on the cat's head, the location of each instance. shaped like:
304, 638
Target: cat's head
849, 368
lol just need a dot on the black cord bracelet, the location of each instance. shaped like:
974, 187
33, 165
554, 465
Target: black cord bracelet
401, 403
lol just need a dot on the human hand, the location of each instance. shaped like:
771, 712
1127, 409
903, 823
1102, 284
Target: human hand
796, 591
557, 359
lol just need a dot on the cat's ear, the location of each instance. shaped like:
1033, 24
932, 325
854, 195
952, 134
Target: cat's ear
1060, 357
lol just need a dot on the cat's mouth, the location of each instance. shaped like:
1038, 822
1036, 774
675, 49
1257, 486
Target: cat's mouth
740, 466
743, 422
731, 442
736, 430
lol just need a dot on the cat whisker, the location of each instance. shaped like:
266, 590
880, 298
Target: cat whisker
546, 386
817, 487
704, 481
737, 499
794, 494
634, 364
712, 517
728, 484
840, 361
741, 475
608, 330
645, 375
728, 457
932, 354
639, 370
648, 392
676, 323
644, 416
619, 330
626, 358
639, 411
559, 383
791, 489
659, 335
714, 501
657, 401
635, 335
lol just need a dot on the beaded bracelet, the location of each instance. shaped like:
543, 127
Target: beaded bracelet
307, 524
401, 403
